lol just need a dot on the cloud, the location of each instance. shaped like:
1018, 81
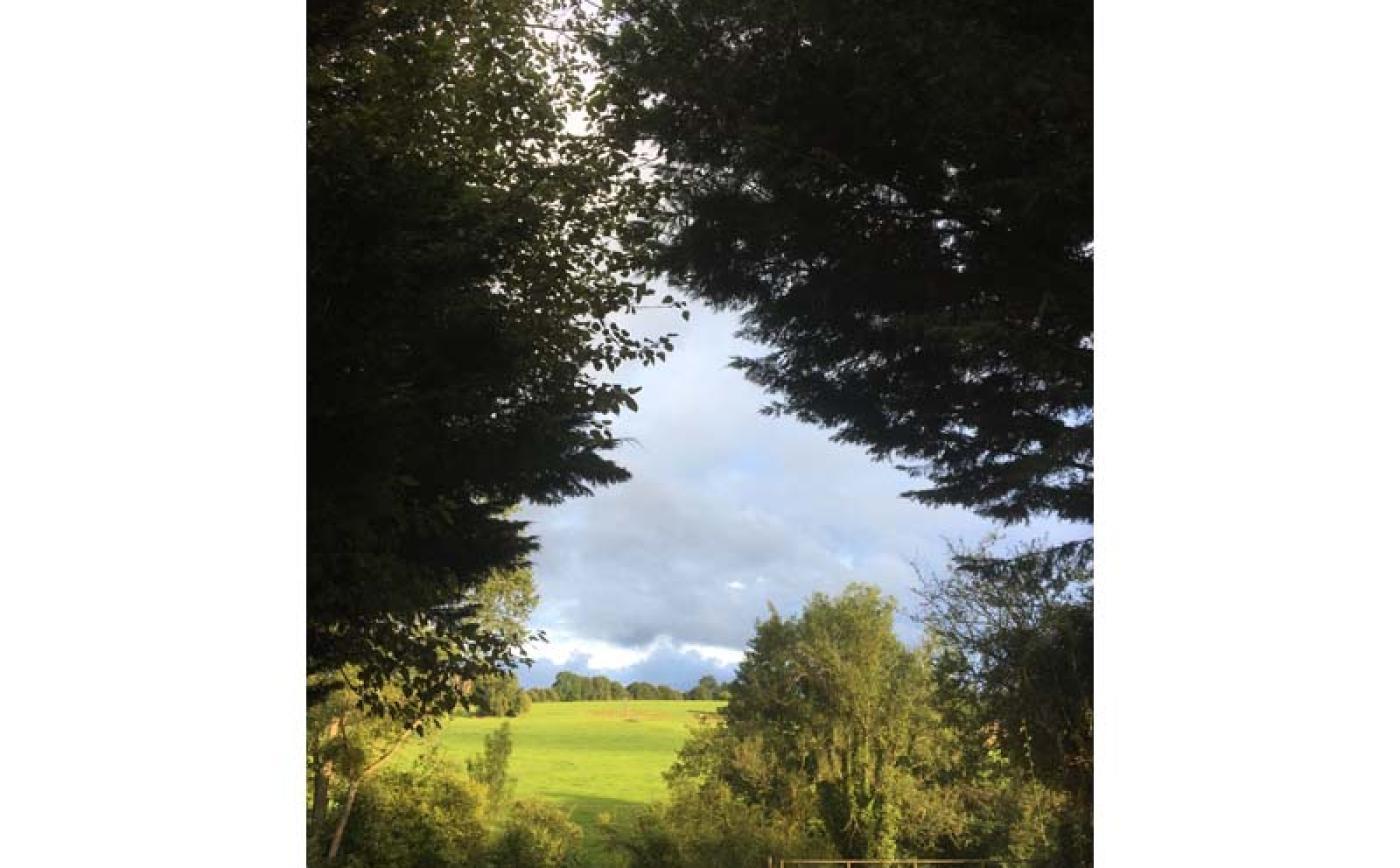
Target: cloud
661, 662
728, 511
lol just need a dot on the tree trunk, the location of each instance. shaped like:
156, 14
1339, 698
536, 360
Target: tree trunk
321, 784
355, 789
344, 820
320, 794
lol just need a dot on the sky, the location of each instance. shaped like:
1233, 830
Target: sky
663, 577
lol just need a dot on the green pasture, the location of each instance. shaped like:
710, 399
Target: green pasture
591, 758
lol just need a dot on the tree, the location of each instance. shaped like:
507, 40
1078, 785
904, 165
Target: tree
837, 704
466, 253
703, 823
706, 688
502, 604
537, 835
499, 696
501, 607
345, 747
490, 767
429, 814
1016, 634
898, 198
839, 740
568, 686
642, 690
349, 742
574, 688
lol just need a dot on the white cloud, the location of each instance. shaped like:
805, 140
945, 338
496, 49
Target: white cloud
595, 653
716, 653
768, 508
662, 661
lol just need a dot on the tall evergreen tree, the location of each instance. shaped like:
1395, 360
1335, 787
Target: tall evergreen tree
464, 260
897, 195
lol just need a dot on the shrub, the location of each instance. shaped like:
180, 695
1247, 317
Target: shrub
490, 767
428, 816
537, 835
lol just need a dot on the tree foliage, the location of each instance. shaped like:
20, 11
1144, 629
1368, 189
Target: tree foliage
897, 195
436, 814
1016, 635
643, 690
572, 687
897, 198
840, 741
428, 815
347, 749
499, 696
537, 835
490, 768
708, 687
466, 252
840, 708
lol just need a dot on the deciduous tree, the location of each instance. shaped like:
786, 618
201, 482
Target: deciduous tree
1016, 634
835, 703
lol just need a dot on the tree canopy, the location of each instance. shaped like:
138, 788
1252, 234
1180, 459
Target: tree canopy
1016, 634
465, 258
897, 196
840, 707
840, 741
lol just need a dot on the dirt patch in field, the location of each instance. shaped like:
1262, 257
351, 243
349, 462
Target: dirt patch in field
632, 715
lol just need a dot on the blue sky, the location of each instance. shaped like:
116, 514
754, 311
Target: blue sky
662, 578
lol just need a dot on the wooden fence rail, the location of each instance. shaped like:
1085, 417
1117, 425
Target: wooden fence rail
914, 863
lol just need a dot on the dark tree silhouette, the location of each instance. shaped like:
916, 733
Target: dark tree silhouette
898, 197
462, 269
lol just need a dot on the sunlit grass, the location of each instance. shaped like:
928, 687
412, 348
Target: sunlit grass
591, 758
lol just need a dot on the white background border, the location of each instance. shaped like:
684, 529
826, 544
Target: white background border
152, 435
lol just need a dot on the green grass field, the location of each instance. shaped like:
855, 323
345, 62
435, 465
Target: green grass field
588, 757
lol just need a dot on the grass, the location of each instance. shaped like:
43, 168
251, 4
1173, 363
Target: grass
591, 758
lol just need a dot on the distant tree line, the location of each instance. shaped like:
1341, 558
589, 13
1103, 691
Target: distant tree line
570, 687
502, 695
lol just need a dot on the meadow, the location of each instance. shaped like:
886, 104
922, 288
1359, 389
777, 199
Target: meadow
591, 758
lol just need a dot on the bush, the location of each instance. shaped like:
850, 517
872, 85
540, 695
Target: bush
704, 824
428, 816
491, 767
649, 843
537, 835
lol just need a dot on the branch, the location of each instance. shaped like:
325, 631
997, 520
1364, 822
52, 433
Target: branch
571, 31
